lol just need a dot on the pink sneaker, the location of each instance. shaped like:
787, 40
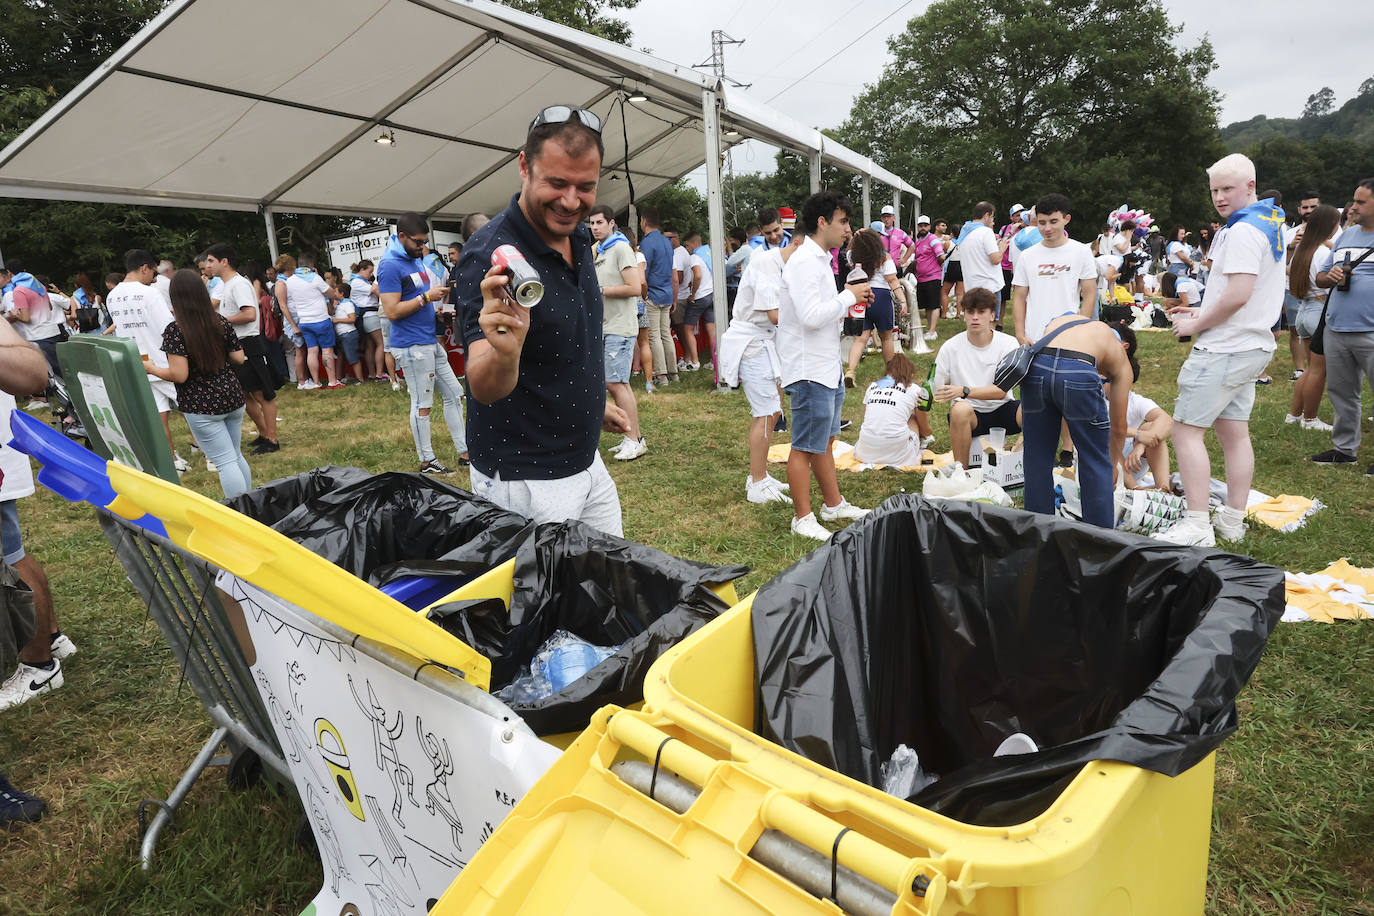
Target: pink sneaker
333, 385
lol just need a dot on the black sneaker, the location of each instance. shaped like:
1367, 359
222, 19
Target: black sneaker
1333, 456
18, 808
1065, 459
266, 447
1264, 380
464, 461
434, 467
258, 441
782, 424
845, 424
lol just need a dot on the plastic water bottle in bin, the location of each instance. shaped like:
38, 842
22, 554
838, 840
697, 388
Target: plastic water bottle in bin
561, 659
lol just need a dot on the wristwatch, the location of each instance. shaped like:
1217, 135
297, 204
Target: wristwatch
966, 391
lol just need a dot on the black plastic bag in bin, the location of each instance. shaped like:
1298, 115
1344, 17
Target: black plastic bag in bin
950, 627
607, 590
383, 526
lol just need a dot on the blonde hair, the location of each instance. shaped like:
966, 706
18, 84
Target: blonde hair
284, 264
1232, 166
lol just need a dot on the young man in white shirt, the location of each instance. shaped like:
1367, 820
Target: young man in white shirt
701, 301
235, 299
682, 276
810, 313
308, 299
1053, 277
982, 255
138, 312
1234, 343
964, 370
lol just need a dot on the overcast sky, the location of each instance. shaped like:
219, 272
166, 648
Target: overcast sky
1261, 61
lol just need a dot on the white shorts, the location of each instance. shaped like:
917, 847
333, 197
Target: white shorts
760, 386
589, 496
164, 394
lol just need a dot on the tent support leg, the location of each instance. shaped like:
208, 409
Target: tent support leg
715, 214
867, 184
270, 223
815, 171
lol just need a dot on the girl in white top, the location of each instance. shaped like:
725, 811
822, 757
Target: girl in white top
894, 432
362, 289
1178, 255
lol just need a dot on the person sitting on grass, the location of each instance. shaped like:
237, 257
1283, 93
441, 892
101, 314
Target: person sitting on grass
1147, 426
894, 432
964, 369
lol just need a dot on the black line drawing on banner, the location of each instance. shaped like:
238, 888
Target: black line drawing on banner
386, 893
294, 678
330, 853
437, 856
316, 642
298, 745
385, 737
437, 799
331, 745
394, 849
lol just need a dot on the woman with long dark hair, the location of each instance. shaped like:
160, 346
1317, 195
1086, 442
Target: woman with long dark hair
1177, 253
867, 253
1313, 241
201, 349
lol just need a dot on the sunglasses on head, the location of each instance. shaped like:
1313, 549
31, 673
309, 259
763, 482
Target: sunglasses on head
561, 114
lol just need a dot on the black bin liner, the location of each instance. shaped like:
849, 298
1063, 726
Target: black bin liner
604, 589
950, 627
383, 526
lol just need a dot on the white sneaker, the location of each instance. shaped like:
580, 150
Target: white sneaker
762, 491
308, 385
210, 466
632, 450
62, 647
180, 463
1291, 418
682, 365
1318, 424
808, 527
926, 442
1297, 374
395, 386
1229, 524
27, 682
843, 512
624, 442
1190, 532
930, 335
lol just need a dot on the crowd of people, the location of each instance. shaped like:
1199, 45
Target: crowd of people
806, 293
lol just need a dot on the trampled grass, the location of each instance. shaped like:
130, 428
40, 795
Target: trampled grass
1293, 822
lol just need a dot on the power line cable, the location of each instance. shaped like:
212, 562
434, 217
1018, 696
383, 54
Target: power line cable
856, 40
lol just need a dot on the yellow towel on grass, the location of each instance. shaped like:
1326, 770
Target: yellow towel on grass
1284, 513
1339, 592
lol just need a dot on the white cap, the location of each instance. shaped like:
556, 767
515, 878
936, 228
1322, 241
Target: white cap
1016, 208
923, 219
888, 211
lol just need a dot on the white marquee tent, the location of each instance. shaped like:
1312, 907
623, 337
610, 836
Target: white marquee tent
277, 106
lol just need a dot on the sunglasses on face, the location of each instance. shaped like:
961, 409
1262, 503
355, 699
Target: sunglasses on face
560, 114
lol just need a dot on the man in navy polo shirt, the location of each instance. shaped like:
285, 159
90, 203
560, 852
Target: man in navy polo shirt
537, 375
407, 301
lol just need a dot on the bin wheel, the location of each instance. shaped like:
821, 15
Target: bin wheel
244, 771
305, 834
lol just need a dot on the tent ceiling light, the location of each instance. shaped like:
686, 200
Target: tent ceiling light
637, 96
386, 138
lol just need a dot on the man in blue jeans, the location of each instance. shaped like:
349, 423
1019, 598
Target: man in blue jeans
1064, 385
408, 304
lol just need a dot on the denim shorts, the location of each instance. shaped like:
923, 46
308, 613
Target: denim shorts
348, 342
1291, 304
318, 334
619, 352
1218, 386
815, 415
1308, 317
369, 322
13, 543
879, 315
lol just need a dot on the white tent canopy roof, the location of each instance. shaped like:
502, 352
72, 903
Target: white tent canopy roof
276, 105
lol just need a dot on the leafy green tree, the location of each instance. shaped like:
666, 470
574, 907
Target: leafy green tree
1319, 103
681, 208
595, 17
1005, 100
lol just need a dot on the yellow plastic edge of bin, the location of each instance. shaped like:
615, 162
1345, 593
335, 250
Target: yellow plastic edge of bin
279, 565
691, 685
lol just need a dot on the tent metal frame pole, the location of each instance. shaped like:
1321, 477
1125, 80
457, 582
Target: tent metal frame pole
897, 208
867, 184
271, 224
715, 215
815, 158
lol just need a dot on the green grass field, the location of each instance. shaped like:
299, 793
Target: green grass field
1293, 824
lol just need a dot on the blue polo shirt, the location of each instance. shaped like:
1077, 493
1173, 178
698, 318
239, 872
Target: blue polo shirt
658, 267
1351, 311
548, 427
397, 272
